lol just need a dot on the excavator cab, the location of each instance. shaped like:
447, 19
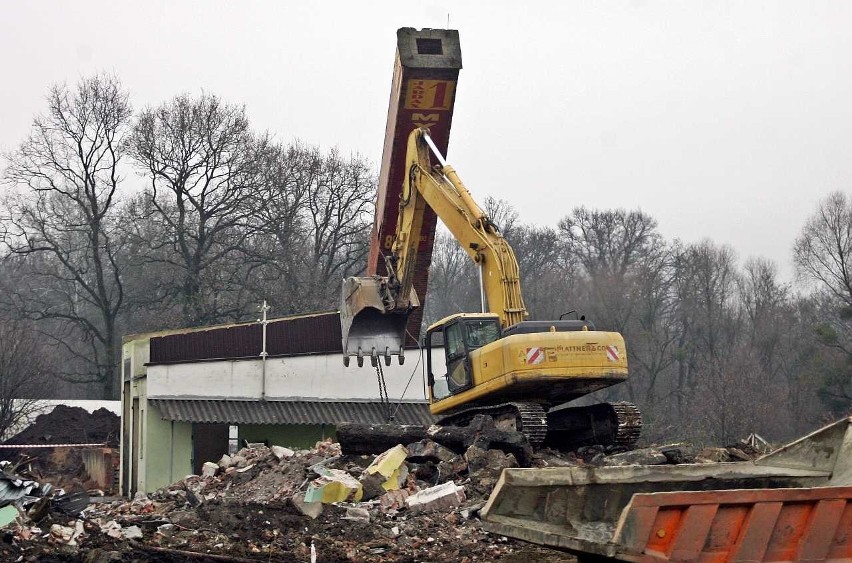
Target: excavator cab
449, 343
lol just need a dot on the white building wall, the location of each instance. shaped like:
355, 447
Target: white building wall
316, 376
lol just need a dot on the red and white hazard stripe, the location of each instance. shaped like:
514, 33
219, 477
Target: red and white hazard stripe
535, 355
612, 353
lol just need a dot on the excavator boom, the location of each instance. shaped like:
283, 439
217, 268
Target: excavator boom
375, 309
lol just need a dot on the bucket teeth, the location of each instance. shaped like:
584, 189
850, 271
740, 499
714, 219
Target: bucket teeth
371, 326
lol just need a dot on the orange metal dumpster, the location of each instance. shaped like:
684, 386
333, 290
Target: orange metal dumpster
813, 524
794, 504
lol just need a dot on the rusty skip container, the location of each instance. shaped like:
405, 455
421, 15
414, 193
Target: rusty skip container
794, 504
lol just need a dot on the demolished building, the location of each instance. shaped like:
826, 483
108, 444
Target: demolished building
185, 392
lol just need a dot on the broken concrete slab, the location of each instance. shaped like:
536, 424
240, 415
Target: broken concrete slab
391, 465
371, 483
483, 433
485, 467
449, 469
428, 450
441, 497
371, 439
472, 511
334, 486
166, 529
281, 452
679, 453
736, 454
357, 513
209, 469
310, 509
475, 457
712, 455
646, 456
132, 533
360, 439
112, 529
394, 500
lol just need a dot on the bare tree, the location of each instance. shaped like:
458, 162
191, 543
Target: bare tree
275, 256
61, 219
502, 214
23, 377
652, 333
765, 302
201, 160
704, 281
823, 251
312, 229
823, 255
453, 282
337, 219
608, 245
549, 287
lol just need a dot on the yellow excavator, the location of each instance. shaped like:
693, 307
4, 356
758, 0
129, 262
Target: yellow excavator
496, 362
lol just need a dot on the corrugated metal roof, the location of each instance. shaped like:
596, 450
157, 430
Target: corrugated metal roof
13, 488
289, 412
288, 336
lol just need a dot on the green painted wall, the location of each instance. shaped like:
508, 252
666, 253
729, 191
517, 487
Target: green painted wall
168, 451
300, 436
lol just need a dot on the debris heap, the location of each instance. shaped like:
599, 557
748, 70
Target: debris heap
413, 502
62, 466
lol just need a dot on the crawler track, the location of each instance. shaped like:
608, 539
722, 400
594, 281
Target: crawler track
629, 424
529, 418
606, 424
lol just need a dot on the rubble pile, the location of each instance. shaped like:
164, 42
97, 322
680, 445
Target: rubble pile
62, 467
413, 502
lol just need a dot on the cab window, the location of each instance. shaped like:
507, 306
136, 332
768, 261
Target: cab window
478, 333
454, 340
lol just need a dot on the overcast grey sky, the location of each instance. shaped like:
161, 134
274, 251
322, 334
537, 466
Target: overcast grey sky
726, 120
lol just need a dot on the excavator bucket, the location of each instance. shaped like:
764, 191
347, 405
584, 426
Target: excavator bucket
740, 511
371, 327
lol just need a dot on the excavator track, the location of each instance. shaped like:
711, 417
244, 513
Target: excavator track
618, 424
528, 418
629, 424
605, 424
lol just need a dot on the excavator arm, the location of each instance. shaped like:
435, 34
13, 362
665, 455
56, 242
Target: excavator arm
440, 187
375, 309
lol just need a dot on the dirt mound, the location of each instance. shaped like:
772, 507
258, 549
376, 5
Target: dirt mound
71, 425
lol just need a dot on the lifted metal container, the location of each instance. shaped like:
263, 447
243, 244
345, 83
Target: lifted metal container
793, 504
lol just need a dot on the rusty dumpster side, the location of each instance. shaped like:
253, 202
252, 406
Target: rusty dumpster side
812, 524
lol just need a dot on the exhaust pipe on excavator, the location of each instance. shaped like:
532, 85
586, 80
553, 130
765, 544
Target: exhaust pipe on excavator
371, 322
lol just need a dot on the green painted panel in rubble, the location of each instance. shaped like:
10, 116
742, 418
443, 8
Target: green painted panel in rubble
296, 436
